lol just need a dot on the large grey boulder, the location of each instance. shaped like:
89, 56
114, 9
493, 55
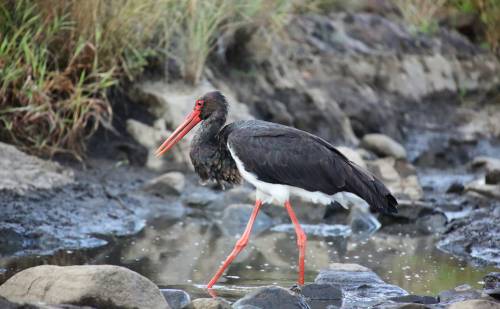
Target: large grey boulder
100, 286
20, 172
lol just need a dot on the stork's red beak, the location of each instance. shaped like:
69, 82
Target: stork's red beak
189, 123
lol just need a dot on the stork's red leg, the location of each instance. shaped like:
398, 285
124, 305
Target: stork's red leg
301, 240
240, 244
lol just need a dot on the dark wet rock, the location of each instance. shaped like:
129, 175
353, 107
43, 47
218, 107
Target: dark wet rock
20, 172
427, 218
104, 200
383, 146
397, 305
493, 177
492, 285
360, 286
235, 218
476, 237
272, 297
176, 299
456, 187
460, 293
321, 291
209, 303
172, 183
101, 286
417, 299
322, 295
475, 304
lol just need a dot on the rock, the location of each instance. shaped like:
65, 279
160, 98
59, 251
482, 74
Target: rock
383, 145
426, 217
460, 293
322, 295
272, 297
352, 155
200, 197
486, 190
172, 183
151, 137
5, 304
176, 299
493, 177
317, 291
488, 163
456, 187
362, 221
475, 304
96, 286
360, 286
475, 238
396, 305
235, 218
400, 177
416, 299
209, 303
20, 172
492, 284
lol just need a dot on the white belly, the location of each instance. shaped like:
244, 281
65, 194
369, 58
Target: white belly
269, 193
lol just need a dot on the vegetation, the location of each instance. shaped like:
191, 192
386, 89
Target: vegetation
488, 13
59, 57
420, 14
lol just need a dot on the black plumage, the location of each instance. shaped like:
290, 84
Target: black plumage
279, 154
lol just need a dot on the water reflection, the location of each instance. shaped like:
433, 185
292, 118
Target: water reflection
186, 254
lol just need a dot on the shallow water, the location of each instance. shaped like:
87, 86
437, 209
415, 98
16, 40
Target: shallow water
185, 254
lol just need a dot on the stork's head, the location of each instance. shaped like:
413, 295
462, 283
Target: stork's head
209, 104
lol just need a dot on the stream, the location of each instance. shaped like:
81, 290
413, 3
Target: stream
184, 254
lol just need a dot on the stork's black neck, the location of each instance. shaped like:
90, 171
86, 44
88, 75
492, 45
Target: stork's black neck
210, 127
209, 153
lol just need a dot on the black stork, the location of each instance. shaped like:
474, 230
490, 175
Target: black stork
278, 160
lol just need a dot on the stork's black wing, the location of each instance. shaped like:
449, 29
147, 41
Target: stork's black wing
284, 155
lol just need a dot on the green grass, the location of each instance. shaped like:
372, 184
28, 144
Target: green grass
58, 57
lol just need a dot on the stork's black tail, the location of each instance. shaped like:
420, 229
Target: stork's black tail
372, 190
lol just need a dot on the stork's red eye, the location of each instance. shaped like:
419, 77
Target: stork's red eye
199, 104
